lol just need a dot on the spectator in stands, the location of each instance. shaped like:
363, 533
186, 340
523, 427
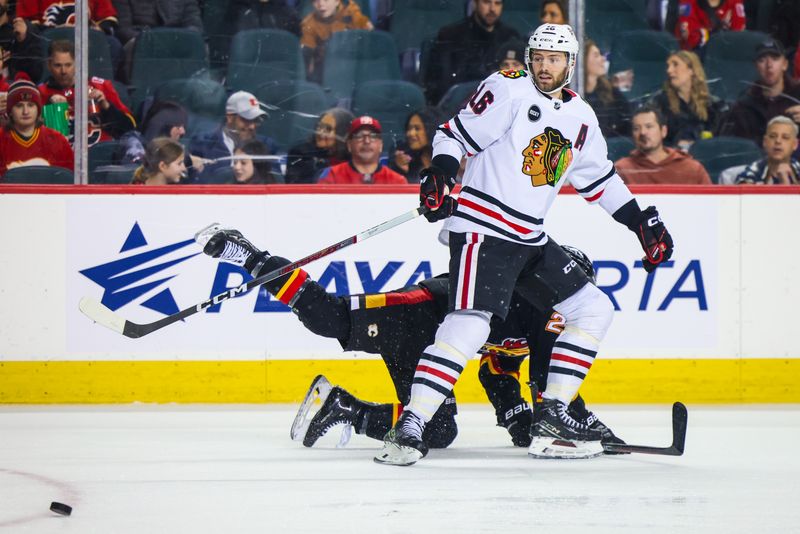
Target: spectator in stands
24, 140
778, 166
162, 163
467, 50
414, 154
554, 12
163, 119
251, 170
771, 95
328, 17
691, 111
653, 163
109, 118
511, 56
137, 15
326, 147
256, 14
243, 116
21, 44
698, 19
611, 107
61, 13
365, 146
662, 14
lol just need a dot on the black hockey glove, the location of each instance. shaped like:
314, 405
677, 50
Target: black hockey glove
654, 238
434, 193
517, 420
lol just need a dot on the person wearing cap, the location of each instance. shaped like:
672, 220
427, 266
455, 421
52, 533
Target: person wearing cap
109, 118
772, 94
24, 140
365, 146
243, 116
511, 56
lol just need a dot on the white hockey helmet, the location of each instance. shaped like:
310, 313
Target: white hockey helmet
556, 37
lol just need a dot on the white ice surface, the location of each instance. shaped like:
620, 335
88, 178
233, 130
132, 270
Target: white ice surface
229, 469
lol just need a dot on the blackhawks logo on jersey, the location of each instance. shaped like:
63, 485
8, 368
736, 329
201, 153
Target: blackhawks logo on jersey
511, 73
547, 157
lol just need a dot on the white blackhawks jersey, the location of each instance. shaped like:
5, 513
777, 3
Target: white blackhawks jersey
522, 147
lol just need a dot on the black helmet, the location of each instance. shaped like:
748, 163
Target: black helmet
582, 260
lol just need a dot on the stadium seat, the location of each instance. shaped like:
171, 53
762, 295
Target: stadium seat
605, 19
217, 32
99, 52
414, 21
619, 147
522, 15
104, 153
39, 174
455, 97
163, 54
113, 174
389, 101
357, 56
719, 153
261, 56
645, 52
730, 62
297, 106
203, 99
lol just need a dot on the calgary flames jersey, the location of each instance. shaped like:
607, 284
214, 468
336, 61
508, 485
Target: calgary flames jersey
523, 146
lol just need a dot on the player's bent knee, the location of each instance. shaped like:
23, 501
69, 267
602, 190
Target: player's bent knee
589, 311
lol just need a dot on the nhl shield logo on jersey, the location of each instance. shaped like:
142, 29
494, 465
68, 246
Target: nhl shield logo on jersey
547, 157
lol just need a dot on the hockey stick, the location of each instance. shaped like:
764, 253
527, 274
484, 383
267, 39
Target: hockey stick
679, 420
101, 314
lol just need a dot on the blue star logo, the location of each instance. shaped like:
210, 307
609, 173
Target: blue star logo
119, 278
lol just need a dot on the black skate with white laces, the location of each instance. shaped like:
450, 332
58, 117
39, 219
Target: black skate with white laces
339, 408
403, 444
556, 434
577, 409
228, 244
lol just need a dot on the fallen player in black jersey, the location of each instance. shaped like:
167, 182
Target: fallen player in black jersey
398, 325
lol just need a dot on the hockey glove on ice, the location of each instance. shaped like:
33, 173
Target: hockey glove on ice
434, 193
654, 238
517, 420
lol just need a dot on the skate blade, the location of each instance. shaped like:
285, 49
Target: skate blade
552, 448
317, 394
393, 454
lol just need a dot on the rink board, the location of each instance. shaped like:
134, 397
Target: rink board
712, 326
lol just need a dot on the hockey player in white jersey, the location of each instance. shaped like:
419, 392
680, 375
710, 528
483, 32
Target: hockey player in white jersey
524, 141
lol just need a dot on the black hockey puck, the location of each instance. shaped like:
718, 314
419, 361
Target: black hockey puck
60, 508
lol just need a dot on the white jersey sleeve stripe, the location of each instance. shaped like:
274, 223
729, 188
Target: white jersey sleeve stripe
466, 135
584, 191
446, 131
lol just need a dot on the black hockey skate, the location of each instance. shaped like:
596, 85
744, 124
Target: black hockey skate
577, 409
556, 434
230, 245
340, 408
403, 444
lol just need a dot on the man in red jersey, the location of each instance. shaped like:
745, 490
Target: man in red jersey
365, 146
109, 118
24, 141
